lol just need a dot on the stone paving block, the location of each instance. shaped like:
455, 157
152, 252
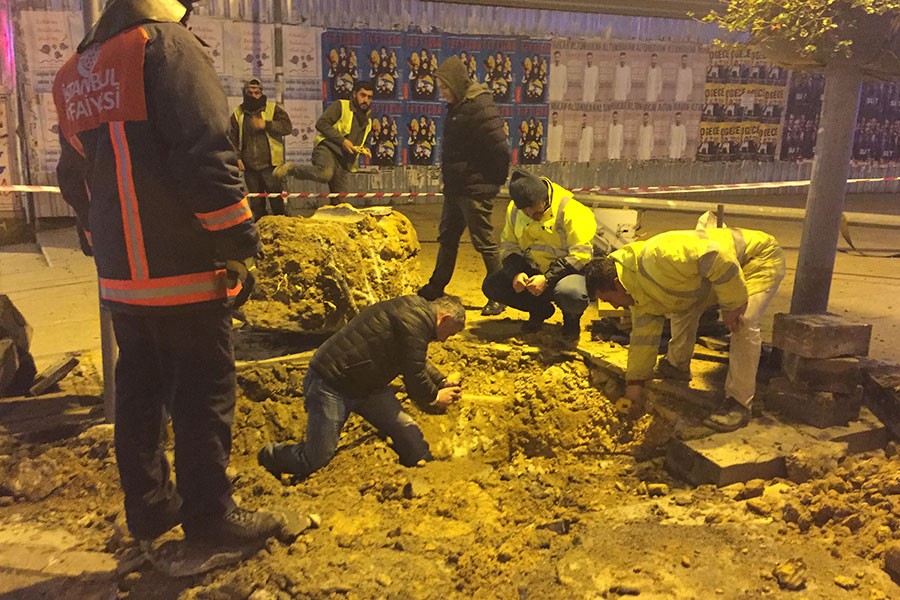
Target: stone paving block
820, 409
821, 336
759, 450
881, 382
823, 374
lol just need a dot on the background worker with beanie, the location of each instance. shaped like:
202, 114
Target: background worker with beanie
343, 129
475, 163
545, 244
258, 127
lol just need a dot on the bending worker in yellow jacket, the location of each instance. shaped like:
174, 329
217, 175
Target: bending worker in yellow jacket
678, 274
545, 244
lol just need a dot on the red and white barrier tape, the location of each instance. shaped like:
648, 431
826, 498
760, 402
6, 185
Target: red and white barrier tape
349, 195
714, 187
642, 189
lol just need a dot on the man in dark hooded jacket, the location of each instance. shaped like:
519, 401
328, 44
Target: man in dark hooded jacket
475, 162
147, 165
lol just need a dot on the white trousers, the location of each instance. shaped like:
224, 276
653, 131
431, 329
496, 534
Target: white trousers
743, 355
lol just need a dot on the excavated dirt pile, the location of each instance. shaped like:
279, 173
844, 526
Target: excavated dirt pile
318, 272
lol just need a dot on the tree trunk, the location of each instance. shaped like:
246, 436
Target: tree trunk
828, 187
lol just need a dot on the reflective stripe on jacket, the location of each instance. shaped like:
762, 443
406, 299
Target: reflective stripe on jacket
276, 145
564, 231
675, 271
343, 126
147, 165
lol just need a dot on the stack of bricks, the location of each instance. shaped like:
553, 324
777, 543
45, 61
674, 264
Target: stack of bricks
822, 382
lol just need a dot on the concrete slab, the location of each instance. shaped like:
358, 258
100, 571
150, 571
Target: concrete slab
758, 451
821, 336
30, 554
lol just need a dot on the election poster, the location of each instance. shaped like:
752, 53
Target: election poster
340, 68
380, 63
384, 139
424, 52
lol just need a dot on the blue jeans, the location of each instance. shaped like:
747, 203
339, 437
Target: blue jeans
328, 409
569, 293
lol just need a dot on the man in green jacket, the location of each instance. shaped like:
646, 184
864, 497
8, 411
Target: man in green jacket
678, 274
343, 129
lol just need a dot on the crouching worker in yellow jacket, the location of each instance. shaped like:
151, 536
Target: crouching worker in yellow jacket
545, 244
678, 274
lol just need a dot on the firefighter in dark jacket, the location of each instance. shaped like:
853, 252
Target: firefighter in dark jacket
352, 372
343, 130
258, 127
475, 162
147, 165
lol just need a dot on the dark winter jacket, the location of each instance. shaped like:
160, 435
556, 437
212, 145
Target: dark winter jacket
387, 339
147, 164
475, 149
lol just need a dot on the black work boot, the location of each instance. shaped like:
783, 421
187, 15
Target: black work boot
492, 308
429, 292
240, 527
281, 458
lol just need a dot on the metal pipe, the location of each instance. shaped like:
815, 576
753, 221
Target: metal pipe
743, 210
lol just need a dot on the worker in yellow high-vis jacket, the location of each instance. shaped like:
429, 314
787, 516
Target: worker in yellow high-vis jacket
678, 274
545, 244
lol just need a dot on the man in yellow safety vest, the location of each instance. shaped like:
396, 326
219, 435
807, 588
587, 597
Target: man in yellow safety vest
343, 129
258, 127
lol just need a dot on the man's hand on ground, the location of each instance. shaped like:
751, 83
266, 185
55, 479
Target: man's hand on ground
447, 396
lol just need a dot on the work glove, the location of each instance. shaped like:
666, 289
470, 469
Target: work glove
240, 271
283, 170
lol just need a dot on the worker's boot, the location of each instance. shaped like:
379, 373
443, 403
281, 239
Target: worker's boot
430, 292
730, 416
666, 370
492, 308
239, 527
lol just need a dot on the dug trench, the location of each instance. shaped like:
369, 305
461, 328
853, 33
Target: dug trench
540, 488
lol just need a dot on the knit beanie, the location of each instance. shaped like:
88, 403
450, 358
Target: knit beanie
526, 189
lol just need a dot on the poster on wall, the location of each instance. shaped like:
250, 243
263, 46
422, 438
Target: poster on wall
469, 50
249, 53
212, 32
801, 120
300, 142
528, 139
744, 96
499, 54
618, 99
421, 59
50, 38
6, 199
533, 78
341, 50
422, 127
384, 139
301, 49
43, 133
381, 55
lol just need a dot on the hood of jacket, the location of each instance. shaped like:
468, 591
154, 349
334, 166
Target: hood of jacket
453, 73
120, 15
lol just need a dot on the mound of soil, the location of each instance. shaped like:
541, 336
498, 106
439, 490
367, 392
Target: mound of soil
319, 272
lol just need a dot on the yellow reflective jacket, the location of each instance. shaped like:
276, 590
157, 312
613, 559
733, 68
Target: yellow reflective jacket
276, 143
558, 243
674, 271
343, 126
